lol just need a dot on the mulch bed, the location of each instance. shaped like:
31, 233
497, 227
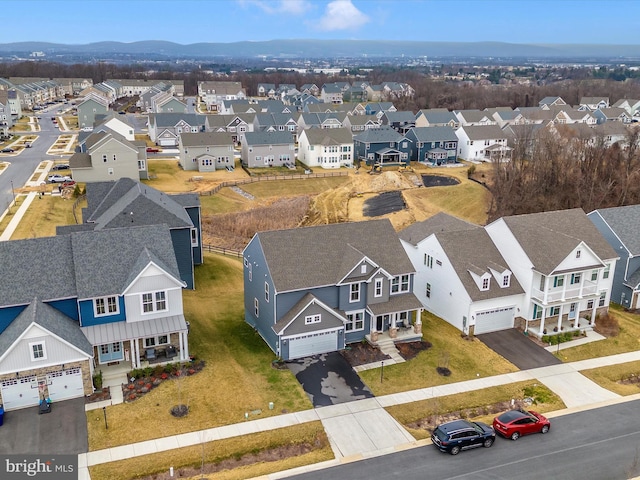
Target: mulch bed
363, 353
142, 384
409, 350
98, 395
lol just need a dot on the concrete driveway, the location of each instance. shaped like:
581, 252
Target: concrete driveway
328, 379
513, 345
62, 431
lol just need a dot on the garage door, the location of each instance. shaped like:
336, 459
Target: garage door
65, 384
20, 392
313, 344
167, 142
493, 320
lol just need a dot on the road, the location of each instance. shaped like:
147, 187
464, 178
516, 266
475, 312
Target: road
24, 163
599, 444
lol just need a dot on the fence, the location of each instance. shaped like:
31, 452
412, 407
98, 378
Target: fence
266, 178
222, 250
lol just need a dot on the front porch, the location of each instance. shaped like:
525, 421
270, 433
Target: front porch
553, 327
396, 335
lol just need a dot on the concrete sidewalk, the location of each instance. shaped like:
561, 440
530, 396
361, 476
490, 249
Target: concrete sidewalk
362, 428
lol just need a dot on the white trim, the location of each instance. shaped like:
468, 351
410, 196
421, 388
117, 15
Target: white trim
306, 334
178, 282
106, 306
43, 348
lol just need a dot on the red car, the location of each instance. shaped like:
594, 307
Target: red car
515, 423
152, 150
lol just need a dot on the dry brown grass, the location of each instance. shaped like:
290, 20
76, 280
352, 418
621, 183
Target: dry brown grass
42, 217
612, 377
239, 228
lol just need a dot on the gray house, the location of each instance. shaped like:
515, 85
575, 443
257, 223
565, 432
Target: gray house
89, 109
206, 151
303, 304
268, 149
165, 128
619, 226
433, 145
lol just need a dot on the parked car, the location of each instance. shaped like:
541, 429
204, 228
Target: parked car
68, 183
60, 166
57, 178
7, 150
27, 144
152, 150
87, 129
452, 437
515, 423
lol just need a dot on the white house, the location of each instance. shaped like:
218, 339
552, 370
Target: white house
482, 143
326, 147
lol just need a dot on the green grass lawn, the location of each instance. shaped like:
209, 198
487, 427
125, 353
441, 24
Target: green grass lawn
611, 377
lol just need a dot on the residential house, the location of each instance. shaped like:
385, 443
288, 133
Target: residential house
474, 117
130, 87
311, 89
118, 123
212, 94
303, 304
433, 145
594, 103
331, 93
381, 147
360, 123
159, 92
88, 109
612, 114
547, 102
320, 120
276, 122
379, 108
6, 120
235, 124
267, 90
483, 143
268, 149
461, 276
396, 90
106, 155
355, 94
619, 226
164, 128
561, 261
436, 117
631, 105
374, 93
326, 148
59, 326
401, 121
165, 102
126, 203
206, 151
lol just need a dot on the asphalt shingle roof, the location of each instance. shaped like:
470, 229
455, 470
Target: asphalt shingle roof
625, 222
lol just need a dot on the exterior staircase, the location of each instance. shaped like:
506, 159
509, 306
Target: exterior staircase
388, 347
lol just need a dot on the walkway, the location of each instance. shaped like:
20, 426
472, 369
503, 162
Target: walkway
362, 428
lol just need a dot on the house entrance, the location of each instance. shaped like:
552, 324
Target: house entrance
382, 323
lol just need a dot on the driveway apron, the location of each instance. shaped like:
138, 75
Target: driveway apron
328, 379
513, 345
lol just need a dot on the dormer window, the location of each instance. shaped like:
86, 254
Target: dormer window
506, 280
105, 306
363, 269
485, 284
578, 254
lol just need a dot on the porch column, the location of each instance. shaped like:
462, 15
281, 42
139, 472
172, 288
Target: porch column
560, 318
133, 360
542, 318
417, 327
592, 322
136, 352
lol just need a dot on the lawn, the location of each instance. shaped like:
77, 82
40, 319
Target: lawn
284, 188
41, 217
238, 377
476, 401
627, 341
466, 359
610, 377
310, 433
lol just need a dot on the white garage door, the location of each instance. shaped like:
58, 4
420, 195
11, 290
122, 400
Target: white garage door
313, 344
20, 392
167, 142
493, 320
65, 384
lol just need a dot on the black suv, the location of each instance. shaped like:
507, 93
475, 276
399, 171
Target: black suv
461, 434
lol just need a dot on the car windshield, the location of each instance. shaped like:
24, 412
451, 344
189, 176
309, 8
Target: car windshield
442, 435
478, 427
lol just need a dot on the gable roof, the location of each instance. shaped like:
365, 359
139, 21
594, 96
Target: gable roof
483, 132
384, 134
204, 139
51, 320
440, 222
625, 223
301, 271
268, 138
433, 134
438, 115
328, 136
549, 237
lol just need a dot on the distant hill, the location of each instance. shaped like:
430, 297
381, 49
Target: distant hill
329, 49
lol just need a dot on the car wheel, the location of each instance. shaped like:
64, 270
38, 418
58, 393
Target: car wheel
515, 436
455, 450
545, 429
488, 442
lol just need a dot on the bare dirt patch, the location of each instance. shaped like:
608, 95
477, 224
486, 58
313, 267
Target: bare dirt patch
607, 325
363, 353
409, 350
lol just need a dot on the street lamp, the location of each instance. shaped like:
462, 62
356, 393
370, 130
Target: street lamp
13, 193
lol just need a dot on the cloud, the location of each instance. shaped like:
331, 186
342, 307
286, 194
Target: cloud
342, 15
271, 7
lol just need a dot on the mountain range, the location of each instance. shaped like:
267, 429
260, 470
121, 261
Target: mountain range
330, 49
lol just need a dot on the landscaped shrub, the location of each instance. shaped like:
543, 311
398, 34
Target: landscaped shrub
539, 394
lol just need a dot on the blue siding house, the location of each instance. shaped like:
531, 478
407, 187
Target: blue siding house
305, 304
382, 147
433, 145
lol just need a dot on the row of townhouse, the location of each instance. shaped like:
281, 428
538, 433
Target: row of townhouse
337, 92
478, 279
60, 326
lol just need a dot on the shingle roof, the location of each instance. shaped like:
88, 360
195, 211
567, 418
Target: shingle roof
439, 116
375, 239
625, 223
549, 237
206, 139
483, 132
440, 222
328, 136
268, 138
379, 135
434, 134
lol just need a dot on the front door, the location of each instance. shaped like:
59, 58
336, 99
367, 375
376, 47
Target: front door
572, 311
382, 323
110, 352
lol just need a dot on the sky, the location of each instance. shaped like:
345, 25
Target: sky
225, 21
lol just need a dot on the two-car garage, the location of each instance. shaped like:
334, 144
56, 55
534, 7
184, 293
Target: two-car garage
493, 320
23, 392
312, 344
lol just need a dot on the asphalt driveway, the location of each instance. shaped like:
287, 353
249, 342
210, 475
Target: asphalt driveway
513, 345
62, 431
328, 379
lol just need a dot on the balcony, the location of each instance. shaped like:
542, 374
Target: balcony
558, 294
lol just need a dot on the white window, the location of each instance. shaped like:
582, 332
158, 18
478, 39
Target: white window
355, 321
354, 292
250, 272
594, 276
400, 284
266, 292
506, 279
310, 319
363, 269
603, 297
154, 302
256, 307
605, 274
105, 306
141, 165
590, 304
558, 281
194, 237
37, 351
575, 278
110, 171
159, 340
428, 260
377, 290
485, 284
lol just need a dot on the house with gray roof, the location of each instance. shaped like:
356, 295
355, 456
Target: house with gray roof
382, 147
320, 120
206, 151
401, 121
331, 93
620, 226
236, 124
631, 105
114, 299
267, 90
612, 114
212, 94
461, 276
594, 103
360, 123
436, 117
268, 149
482, 143
164, 128
326, 147
89, 109
547, 102
433, 145
276, 122
129, 203
305, 305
